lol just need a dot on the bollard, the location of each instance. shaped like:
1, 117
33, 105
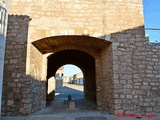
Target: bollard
69, 98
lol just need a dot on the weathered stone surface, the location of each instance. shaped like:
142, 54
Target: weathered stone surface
15, 79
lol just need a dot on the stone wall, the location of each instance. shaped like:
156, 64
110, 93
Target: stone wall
26, 92
16, 88
51, 87
107, 78
126, 49
150, 84
38, 84
105, 81
94, 18
135, 69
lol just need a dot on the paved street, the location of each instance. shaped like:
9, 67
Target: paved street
76, 91
58, 109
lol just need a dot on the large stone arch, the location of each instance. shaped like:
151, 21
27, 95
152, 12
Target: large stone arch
28, 85
98, 49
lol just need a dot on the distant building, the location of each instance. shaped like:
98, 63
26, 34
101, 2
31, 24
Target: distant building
66, 79
77, 79
70, 79
59, 82
60, 72
59, 77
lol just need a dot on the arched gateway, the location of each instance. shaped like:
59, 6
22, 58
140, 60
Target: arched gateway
82, 51
48, 54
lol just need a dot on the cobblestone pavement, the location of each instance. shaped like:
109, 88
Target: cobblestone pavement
85, 110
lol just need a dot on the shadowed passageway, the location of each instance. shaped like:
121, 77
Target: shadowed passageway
77, 94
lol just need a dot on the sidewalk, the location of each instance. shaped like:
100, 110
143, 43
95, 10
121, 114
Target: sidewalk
83, 115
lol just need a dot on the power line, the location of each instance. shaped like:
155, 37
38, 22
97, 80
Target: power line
152, 28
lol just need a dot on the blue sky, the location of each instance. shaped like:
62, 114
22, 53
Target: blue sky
151, 10
71, 70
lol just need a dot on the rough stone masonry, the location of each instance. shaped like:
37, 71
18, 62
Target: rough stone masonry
122, 66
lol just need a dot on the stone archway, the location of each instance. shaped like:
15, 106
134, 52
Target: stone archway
82, 60
27, 87
98, 50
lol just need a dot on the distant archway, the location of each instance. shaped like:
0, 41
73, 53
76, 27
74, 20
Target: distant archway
68, 81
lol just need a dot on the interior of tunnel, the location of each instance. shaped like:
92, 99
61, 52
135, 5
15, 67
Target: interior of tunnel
81, 59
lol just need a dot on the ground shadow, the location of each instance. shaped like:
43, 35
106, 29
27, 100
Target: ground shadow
63, 92
62, 99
